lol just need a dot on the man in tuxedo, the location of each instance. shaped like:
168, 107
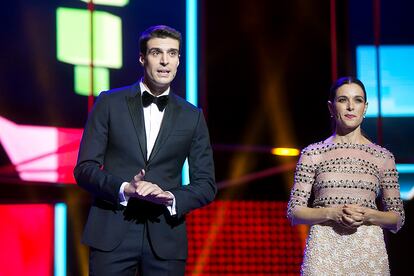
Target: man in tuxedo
133, 148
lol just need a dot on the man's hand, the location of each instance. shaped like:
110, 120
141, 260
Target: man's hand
148, 191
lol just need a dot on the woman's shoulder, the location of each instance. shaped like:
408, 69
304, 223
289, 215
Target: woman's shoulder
314, 148
380, 151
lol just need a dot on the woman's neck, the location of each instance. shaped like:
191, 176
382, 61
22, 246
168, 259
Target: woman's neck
352, 137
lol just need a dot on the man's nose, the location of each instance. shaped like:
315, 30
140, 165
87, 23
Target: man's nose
164, 59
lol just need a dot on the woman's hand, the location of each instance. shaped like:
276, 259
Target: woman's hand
354, 215
335, 214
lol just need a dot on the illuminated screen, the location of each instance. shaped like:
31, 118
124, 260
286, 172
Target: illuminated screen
397, 103
397, 79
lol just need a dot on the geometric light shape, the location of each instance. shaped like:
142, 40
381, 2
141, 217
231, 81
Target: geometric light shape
83, 80
285, 151
185, 173
397, 79
118, 3
40, 153
406, 180
192, 54
26, 238
191, 45
60, 239
405, 168
407, 190
74, 38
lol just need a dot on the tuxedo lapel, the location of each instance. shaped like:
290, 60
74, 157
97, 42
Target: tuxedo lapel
168, 123
137, 116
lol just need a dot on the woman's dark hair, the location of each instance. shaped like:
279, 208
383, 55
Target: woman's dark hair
345, 80
158, 31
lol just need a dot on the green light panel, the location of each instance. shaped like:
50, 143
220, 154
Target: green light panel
73, 38
118, 3
83, 77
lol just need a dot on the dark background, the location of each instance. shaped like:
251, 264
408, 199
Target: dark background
264, 76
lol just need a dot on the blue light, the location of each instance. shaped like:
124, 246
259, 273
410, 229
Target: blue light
406, 190
405, 168
191, 48
60, 239
397, 79
406, 172
191, 65
185, 174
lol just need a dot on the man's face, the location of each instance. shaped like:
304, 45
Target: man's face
160, 62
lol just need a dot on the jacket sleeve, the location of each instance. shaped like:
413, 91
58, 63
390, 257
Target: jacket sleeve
202, 187
89, 172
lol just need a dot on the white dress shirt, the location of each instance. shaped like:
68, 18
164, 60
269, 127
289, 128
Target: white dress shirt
153, 119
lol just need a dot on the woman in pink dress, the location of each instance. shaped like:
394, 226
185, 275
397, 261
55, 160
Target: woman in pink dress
337, 183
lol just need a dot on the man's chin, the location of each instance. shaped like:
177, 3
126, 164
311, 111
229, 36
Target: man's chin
164, 81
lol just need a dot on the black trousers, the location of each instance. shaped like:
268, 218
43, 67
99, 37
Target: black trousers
134, 256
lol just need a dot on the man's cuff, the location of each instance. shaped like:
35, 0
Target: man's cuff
172, 208
123, 199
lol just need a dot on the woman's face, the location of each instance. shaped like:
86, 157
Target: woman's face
348, 107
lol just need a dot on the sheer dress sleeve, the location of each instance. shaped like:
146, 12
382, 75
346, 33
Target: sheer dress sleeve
303, 181
390, 191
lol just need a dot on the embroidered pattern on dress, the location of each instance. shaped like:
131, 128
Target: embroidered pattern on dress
349, 184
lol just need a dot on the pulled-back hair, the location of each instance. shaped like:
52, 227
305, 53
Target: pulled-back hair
158, 31
345, 80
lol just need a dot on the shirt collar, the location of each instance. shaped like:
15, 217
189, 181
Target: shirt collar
143, 88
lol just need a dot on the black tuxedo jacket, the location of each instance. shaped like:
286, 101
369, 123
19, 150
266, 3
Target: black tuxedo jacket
113, 150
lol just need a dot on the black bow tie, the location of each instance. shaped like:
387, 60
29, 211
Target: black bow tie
161, 102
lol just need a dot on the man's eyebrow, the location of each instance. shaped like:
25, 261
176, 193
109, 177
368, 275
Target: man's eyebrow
160, 50
154, 49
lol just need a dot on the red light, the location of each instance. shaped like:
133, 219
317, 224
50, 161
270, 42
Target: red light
26, 238
250, 238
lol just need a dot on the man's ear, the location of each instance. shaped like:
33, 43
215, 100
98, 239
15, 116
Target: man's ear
141, 59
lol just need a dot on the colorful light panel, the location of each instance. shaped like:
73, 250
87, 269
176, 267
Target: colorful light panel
26, 238
74, 42
60, 239
243, 238
191, 66
406, 179
397, 79
41, 153
83, 80
118, 3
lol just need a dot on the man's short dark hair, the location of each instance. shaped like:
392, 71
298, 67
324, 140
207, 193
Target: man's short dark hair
158, 31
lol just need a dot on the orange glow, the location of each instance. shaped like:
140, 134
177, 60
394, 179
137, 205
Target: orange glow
285, 151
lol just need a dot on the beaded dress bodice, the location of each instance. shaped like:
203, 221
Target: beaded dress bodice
328, 175
344, 173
